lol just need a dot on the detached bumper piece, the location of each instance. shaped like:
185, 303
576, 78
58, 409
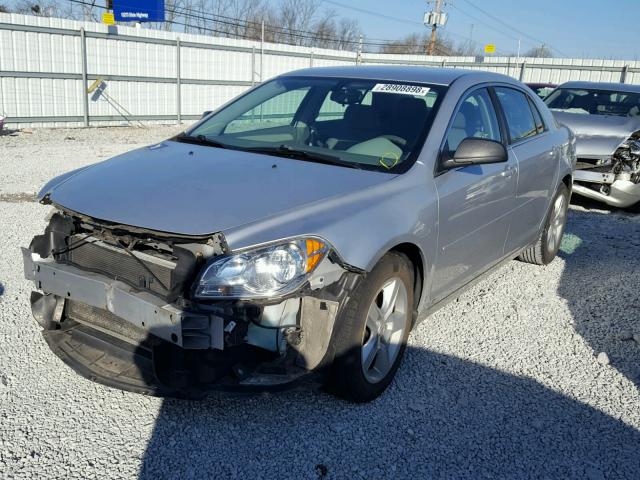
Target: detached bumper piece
152, 367
106, 360
109, 350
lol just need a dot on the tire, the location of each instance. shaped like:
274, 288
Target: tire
548, 243
355, 342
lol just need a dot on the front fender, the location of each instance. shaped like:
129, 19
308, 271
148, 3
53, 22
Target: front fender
361, 226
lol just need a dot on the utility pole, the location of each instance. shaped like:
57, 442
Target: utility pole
261, 52
434, 19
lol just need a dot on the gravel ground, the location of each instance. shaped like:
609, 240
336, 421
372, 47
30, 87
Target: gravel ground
509, 381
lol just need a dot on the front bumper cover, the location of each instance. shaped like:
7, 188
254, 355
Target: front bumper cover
187, 329
622, 192
174, 351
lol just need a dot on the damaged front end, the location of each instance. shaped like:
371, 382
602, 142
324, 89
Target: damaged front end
614, 179
124, 307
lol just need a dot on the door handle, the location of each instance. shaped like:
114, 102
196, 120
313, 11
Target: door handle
507, 172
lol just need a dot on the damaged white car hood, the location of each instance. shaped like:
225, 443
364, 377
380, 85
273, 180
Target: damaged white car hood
597, 135
197, 190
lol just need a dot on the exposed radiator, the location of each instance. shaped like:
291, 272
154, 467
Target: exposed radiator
116, 263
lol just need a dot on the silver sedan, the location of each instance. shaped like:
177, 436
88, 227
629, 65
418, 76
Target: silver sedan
298, 232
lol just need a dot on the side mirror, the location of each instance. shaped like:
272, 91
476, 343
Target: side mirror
476, 151
206, 113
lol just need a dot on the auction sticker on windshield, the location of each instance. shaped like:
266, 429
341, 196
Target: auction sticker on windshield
401, 89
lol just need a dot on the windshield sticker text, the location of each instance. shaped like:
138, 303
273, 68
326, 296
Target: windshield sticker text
401, 89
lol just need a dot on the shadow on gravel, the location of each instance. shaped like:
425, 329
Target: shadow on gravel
600, 283
1, 289
590, 204
8, 132
442, 418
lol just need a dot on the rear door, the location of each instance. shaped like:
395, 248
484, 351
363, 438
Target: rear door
533, 145
474, 201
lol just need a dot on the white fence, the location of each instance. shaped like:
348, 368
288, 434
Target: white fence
46, 65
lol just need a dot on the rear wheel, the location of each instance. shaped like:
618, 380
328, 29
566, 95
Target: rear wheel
548, 243
372, 332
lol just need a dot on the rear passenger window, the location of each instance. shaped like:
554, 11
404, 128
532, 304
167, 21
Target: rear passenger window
476, 118
520, 121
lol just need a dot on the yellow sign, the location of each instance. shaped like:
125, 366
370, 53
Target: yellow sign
108, 18
489, 48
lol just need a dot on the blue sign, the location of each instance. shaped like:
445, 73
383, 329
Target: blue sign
138, 10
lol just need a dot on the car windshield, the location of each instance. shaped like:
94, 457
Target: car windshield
366, 124
542, 91
594, 102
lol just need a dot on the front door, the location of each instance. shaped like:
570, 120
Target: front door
474, 201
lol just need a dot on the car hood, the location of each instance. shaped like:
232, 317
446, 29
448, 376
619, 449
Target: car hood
196, 190
598, 135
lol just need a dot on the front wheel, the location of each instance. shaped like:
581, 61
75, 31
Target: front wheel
548, 243
372, 331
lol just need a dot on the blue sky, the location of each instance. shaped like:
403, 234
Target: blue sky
577, 28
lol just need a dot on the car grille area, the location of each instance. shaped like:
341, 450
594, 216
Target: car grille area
145, 271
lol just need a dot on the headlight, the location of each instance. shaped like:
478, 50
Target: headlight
278, 269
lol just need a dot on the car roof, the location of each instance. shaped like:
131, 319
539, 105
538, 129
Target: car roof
402, 73
616, 87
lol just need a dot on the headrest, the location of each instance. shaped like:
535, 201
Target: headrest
460, 121
411, 106
361, 116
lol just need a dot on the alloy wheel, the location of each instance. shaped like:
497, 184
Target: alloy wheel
387, 320
556, 226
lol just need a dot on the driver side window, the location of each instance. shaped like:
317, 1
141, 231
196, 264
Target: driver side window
475, 118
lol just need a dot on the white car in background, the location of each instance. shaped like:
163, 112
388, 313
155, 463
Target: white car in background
605, 118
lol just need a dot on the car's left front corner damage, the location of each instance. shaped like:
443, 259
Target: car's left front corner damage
117, 304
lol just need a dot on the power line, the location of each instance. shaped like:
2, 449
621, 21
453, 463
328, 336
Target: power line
289, 31
492, 27
236, 22
375, 14
533, 41
479, 20
520, 32
397, 19
313, 36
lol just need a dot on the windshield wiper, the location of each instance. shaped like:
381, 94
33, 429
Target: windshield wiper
199, 140
291, 152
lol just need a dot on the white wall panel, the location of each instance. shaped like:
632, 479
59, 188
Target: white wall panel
219, 60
